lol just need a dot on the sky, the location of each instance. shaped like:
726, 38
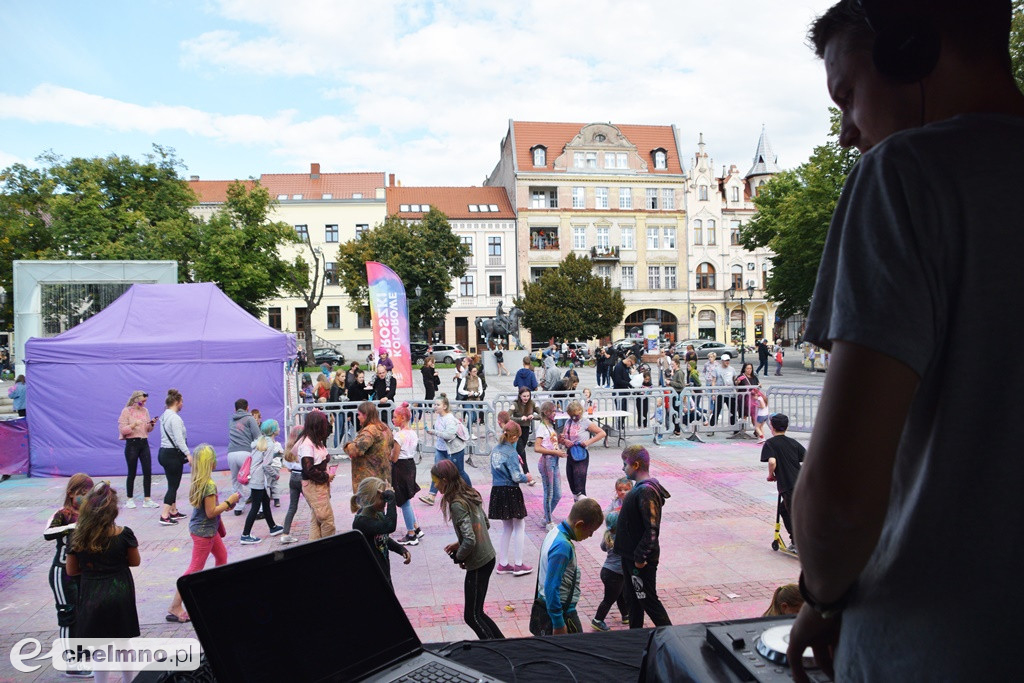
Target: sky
421, 89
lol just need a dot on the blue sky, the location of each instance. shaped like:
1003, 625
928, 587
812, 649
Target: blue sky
420, 89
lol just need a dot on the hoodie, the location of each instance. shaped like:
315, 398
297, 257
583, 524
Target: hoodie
242, 431
636, 536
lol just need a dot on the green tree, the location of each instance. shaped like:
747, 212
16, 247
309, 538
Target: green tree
794, 210
1017, 42
571, 302
425, 254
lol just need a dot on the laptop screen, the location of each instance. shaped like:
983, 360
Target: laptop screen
319, 611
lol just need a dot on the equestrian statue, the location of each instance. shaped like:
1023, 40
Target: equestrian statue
501, 325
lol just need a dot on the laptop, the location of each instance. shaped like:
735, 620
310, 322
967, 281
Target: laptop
319, 611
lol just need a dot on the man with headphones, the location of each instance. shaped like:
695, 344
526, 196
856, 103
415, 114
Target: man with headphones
894, 522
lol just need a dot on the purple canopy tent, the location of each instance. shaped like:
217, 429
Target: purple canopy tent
191, 337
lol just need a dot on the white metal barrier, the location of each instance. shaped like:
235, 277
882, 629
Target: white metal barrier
800, 404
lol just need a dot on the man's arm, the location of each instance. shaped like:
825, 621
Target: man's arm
842, 495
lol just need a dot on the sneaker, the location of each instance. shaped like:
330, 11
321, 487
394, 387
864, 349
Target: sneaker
428, 499
167, 521
261, 515
150, 504
238, 512
419, 532
625, 619
78, 674
288, 538
130, 505
177, 515
549, 526
521, 569
277, 502
531, 482
599, 625
277, 530
250, 540
409, 539
503, 569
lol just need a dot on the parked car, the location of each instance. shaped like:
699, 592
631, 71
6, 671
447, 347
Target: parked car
332, 356
448, 353
705, 346
417, 351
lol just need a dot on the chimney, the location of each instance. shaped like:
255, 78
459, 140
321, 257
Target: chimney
314, 171
193, 177
391, 180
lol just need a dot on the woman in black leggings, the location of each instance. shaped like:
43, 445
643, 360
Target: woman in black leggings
135, 425
173, 455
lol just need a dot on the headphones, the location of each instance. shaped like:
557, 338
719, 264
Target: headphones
907, 42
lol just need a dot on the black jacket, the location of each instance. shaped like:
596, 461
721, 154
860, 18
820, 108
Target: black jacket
384, 387
620, 376
636, 536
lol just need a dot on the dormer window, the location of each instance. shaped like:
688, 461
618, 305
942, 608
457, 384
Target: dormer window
660, 159
600, 137
540, 156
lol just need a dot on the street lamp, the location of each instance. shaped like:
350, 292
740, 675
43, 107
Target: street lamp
419, 293
750, 296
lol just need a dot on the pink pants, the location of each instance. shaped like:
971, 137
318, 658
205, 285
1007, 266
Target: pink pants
201, 549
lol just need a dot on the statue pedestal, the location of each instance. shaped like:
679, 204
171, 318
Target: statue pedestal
513, 361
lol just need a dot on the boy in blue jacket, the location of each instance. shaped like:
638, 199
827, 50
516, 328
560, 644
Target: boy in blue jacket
558, 573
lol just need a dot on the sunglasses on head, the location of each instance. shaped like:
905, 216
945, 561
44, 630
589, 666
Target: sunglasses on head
100, 486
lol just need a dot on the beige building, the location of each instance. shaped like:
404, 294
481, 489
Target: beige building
613, 193
330, 208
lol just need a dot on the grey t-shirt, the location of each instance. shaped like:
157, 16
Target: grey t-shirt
917, 266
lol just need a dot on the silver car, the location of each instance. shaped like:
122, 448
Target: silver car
705, 346
448, 353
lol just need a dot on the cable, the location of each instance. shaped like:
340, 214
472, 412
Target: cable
526, 664
586, 654
471, 645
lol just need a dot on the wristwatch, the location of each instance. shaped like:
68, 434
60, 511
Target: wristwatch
829, 610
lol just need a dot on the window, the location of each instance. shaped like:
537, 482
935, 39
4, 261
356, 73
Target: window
625, 198
361, 229
609, 159
327, 195
363, 318
764, 276
605, 273
535, 274
357, 195
669, 235
627, 277
494, 287
698, 231
670, 277
539, 156
300, 321
473, 208
653, 241
705, 276
735, 194
652, 198
702, 193
334, 317
591, 159
668, 199
660, 160
467, 241
331, 273
734, 233
543, 198
604, 239
737, 277
579, 237
296, 196
628, 238
653, 277
282, 197
466, 286
711, 231
330, 233
621, 160
493, 246
404, 208
274, 317
577, 159
600, 197
302, 231
579, 197
544, 238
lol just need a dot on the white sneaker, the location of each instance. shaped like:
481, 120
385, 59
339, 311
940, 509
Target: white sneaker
288, 539
149, 504
549, 526
130, 503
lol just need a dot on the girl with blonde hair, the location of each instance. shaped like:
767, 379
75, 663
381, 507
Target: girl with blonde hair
134, 426
376, 518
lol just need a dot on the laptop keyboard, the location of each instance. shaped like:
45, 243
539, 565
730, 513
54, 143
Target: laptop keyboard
436, 673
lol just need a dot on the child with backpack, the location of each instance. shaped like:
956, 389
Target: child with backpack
612, 578
262, 471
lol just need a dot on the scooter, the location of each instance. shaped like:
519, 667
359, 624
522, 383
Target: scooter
778, 544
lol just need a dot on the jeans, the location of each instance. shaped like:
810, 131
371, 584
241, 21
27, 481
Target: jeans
321, 523
613, 593
170, 460
762, 364
642, 591
524, 438
409, 515
576, 475
260, 499
778, 368
476, 592
552, 481
235, 461
202, 547
294, 493
458, 458
137, 451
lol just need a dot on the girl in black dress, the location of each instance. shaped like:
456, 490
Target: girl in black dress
102, 553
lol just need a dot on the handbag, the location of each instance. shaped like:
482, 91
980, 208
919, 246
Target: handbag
578, 452
184, 456
245, 470
540, 620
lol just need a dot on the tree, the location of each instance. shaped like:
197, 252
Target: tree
571, 302
310, 289
425, 254
794, 210
1017, 42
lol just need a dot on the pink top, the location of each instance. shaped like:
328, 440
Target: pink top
134, 423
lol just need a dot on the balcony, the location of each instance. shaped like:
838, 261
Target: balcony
604, 253
544, 239
493, 260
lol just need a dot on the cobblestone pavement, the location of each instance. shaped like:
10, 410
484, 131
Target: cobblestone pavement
716, 562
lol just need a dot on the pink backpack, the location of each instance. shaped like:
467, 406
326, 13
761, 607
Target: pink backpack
244, 471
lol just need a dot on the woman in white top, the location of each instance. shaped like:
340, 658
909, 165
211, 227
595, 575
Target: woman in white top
403, 472
451, 442
546, 445
173, 455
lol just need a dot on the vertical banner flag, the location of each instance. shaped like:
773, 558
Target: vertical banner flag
390, 313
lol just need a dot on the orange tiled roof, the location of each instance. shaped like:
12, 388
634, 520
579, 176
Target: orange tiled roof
453, 201
338, 185
214, 191
555, 136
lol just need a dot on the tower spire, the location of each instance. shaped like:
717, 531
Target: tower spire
765, 160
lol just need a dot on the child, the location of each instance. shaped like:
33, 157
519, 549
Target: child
66, 588
612, 578
507, 502
558, 574
501, 418
103, 553
783, 455
273, 488
760, 402
659, 419
291, 461
205, 526
546, 445
261, 471
785, 600
370, 501
623, 485
403, 472
589, 404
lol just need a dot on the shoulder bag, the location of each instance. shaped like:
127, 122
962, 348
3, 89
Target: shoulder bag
540, 620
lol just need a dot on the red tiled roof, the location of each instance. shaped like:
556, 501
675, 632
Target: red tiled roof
555, 136
338, 185
454, 202
215, 191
